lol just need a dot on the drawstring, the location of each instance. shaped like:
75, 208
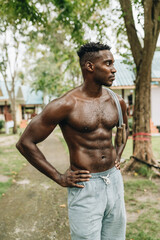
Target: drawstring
106, 179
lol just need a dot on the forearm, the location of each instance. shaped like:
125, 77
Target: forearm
33, 154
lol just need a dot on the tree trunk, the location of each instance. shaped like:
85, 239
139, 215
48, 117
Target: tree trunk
142, 145
15, 123
13, 112
142, 114
143, 56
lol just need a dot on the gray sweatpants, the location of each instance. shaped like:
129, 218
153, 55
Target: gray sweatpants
97, 211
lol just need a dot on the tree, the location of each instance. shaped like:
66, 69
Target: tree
65, 16
142, 52
56, 70
8, 72
76, 15
15, 18
55, 75
53, 61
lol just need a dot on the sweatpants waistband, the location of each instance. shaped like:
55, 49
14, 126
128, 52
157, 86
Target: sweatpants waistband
105, 173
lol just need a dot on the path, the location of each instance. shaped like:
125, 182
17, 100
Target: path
35, 207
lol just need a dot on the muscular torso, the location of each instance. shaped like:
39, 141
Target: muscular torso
88, 132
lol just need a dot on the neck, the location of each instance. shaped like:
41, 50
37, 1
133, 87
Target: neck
92, 89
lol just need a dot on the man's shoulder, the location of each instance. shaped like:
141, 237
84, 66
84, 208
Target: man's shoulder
59, 108
66, 101
121, 100
72, 93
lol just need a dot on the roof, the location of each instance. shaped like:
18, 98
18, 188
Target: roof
24, 94
32, 97
4, 93
124, 75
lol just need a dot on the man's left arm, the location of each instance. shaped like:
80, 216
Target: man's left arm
119, 149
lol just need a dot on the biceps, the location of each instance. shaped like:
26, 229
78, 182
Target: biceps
37, 130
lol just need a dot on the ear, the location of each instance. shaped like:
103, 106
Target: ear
89, 66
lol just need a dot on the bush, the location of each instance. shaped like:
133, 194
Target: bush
130, 124
1, 124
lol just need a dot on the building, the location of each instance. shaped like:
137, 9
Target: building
28, 104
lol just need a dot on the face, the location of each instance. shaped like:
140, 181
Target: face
104, 70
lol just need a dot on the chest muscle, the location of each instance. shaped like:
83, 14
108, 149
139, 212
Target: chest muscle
89, 116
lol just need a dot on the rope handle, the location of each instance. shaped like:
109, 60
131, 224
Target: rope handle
118, 106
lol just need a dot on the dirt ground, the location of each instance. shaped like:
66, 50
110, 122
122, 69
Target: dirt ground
9, 140
35, 208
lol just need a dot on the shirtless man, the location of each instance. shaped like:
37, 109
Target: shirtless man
86, 116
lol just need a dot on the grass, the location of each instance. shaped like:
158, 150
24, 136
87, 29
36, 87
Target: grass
128, 151
139, 185
155, 146
141, 198
11, 162
146, 227
4, 186
145, 171
141, 235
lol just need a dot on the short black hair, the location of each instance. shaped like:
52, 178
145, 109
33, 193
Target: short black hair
88, 50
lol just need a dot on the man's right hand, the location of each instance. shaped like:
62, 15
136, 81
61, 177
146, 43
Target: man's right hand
70, 178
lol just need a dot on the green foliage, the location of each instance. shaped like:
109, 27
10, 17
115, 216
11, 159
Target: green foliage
52, 47
1, 124
73, 15
130, 124
122, 44
48, 76
14, 11
16, 19
55, 76
57, 70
